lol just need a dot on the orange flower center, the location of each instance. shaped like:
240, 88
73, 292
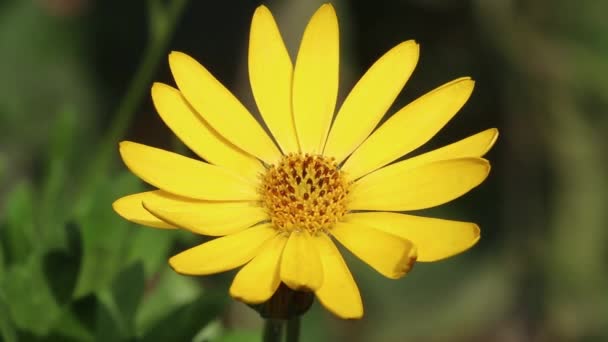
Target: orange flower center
304, 192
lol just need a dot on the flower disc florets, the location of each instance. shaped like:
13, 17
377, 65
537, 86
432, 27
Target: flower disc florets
304, 192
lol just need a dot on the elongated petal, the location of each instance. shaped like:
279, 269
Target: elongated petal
339, 292
435, 239
184, 176
193, 131
301, 267
270, 75
210, 218
222, 254
315, 79
220, 108
398, 187
130, 208
257, 281
388, 254
474, 146
370, 99
409, 128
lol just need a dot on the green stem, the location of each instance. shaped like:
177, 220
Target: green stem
162, 23
293, 330
273, 330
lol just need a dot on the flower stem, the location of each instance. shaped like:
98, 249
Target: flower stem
273, 330
163, 18
293, 329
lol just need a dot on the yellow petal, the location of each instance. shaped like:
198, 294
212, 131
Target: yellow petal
220, 108
184, 176
474, 146
370, 99
315, 80
301, 267
130, 208
398, 187
388, 254
257, 281
193, 131
270, 75
409, 128
339, 293
222, 254
435, 239
210, 218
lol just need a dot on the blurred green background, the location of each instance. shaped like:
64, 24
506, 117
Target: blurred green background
75, 77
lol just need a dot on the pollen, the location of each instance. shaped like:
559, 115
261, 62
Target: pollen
304, 191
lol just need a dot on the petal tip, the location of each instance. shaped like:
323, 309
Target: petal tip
354, 315
496, 133
486, 164
175, 53
327, 6
410, 42
476, 235
124, 145
172, 55
467, 81
176, 57
409, 47
326, 9
262, 9
476, 231
407, 263
175, 265
159, 86
115, 206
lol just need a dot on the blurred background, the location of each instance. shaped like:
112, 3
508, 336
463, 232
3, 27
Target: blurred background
75, 80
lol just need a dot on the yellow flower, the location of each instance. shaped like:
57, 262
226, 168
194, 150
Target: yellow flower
277, 207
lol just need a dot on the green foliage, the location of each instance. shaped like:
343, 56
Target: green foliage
187, 320
92, 286
7, 330
89, 275
240, 336
18, 231
61, 266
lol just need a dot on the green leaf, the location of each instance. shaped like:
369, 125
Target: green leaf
57, 189
108, 325
115, 309
69, 328
3, 248
107, 238
2, 165
166, 292
61, 267
18, 233
62, 135
240, 336
85, 310
7, 331
127, 291
33, 309
183, 323
150, 247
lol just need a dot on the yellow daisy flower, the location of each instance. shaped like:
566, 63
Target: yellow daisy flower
278, 205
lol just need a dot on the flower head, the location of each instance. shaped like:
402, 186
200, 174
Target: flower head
277, 206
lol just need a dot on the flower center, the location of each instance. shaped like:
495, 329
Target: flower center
304, 192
